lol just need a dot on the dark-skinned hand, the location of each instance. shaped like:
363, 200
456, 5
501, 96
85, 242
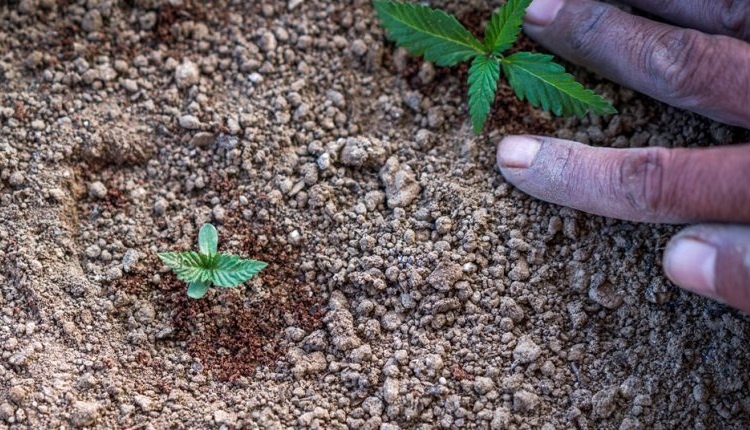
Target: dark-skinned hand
700, 62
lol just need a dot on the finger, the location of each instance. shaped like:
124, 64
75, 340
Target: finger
712, 261
644, 184
685, 68
731, 18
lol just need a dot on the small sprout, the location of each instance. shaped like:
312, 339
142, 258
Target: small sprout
441, 39
208, 266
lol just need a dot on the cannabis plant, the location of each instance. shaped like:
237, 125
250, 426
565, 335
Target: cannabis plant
208, 266
442, 40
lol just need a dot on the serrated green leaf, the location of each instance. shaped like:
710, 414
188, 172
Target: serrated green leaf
231, 270
534, 77
173, 260
198, 289
504, 26
432, 33
208, 240
483, 75
191, 267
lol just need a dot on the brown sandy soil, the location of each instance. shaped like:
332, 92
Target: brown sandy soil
409, 286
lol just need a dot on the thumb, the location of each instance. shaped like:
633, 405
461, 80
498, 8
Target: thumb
713, 261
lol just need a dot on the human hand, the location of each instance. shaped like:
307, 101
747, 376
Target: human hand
703, 66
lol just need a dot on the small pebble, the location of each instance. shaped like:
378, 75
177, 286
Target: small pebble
97, 190
359, 48
93, 251
186, 74
130, 259
526, 351
189, 122
267, 42
160, 206
129, 85
16, 179
293, 4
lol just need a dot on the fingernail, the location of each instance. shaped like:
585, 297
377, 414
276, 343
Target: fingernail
691, 264
517, 151
542, 12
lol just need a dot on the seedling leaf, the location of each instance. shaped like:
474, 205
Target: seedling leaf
231, 270
198, 289
208, 240
534, 77
483, 76
432, 33
504, 26
192, 267
173, 260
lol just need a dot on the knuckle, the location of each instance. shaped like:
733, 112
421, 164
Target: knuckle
642, 184
676, 63
564, 166
584, 37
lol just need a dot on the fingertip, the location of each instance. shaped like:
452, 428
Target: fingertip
517, 152
542, 12
712, 260
691, 264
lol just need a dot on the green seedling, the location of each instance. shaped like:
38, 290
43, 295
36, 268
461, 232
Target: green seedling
208, 266
442, 40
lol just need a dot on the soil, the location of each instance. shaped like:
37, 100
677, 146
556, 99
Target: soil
408, 285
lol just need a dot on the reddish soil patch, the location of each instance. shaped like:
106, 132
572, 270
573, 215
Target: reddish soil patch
232, 332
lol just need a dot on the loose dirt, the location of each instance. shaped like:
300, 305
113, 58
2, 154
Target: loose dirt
409, 286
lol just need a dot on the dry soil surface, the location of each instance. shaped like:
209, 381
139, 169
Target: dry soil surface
409, 286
